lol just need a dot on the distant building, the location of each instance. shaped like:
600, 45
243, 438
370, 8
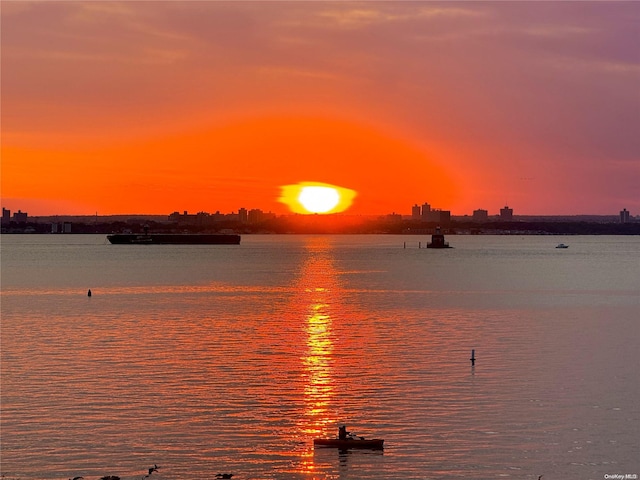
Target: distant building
242, 215
480, 215
445, 217
506, 213
426, 212
6, 215
219, 217
20, 217
64, 227
255, 215
624, 216
186, 217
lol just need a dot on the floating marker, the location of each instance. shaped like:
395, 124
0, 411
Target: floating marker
89, 293
473, 357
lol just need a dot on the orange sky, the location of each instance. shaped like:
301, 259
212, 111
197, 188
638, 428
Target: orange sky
242, 164
140, 107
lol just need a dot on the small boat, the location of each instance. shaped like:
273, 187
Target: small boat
562, 245
347, 440
347, 444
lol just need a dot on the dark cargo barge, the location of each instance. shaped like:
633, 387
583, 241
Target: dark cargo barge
174, 239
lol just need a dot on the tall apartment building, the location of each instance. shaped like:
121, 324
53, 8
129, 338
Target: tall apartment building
480, 215
243, 215
624, 216
20, 216
506, 213
425, 214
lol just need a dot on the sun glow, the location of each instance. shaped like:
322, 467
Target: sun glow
319, 199
312, 197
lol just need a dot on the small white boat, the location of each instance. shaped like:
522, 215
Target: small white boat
562, 245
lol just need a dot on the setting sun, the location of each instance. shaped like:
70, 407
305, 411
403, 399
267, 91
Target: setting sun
310, 197
319, 199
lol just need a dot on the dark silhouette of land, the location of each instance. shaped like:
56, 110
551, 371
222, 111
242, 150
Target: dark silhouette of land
329, 224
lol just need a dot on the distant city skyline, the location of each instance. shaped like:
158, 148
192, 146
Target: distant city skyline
422, 212
119, 107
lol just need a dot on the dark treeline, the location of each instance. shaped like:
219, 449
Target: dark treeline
333, 224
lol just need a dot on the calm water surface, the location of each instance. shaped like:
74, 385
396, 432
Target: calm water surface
208, 359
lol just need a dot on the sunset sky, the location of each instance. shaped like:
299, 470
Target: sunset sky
155, 107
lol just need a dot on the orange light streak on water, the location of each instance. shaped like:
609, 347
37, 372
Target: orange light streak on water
319, 295
317, 362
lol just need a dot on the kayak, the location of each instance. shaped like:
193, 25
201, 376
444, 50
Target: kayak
348, 443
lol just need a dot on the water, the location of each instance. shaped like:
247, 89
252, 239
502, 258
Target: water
212, 359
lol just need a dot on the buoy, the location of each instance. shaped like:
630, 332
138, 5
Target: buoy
89, 293
473, 357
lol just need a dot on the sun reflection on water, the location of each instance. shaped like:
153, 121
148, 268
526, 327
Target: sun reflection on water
317, 362
319, 289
